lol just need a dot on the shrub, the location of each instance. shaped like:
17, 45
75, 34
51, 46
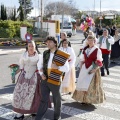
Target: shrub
11, 29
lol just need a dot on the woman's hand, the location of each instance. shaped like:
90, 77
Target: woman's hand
92, 71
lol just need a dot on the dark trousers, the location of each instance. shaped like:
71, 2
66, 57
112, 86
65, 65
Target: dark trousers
106, 61
45, 92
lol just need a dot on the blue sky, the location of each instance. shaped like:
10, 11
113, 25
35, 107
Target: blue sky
80, 4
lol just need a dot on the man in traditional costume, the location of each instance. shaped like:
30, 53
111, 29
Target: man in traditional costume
89, 88
51, 81
105, 42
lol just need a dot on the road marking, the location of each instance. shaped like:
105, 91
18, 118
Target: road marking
83, 114
115, 74
86, 115
7, 96
114, 69
115, 87
110, 106
6, 113
116, 80
112, 95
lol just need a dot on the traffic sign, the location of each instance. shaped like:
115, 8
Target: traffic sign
109, 17
28, 37
100, 17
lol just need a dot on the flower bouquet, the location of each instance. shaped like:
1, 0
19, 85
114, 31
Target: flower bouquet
14, 68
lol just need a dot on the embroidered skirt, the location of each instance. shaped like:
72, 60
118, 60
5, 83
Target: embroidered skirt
95, 93
26, 96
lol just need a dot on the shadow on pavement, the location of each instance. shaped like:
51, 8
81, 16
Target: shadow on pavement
7, 89
3, 54
77, 105
114, 64
50, 113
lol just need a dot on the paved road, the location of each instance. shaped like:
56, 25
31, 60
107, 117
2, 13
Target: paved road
71, 110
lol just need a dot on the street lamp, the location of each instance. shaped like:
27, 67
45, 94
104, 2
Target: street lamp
94, 9
100, 13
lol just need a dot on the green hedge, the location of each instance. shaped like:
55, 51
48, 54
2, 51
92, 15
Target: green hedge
11, 29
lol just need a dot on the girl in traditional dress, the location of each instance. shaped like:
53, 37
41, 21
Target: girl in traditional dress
26, 95
89, 87
68, 83
85, 43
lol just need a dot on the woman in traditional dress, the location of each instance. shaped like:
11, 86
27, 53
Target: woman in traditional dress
89, 87
115, 51
68, 83
26, 95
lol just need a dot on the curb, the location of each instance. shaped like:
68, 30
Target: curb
15, 49
12, 47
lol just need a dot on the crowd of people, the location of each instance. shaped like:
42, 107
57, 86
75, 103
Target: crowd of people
54, 72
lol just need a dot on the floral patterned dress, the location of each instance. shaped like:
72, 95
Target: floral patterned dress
26, 95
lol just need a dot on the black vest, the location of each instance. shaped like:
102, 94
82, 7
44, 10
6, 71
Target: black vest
46, 56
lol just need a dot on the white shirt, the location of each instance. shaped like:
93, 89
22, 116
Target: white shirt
29, 64
110, 40
64, 68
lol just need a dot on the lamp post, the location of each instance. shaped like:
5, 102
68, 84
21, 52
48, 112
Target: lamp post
94, 10
41, 4
24, 9
100, 13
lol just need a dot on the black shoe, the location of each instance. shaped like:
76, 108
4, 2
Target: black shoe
33, 115
102, 74
19, 118
85, 103
57, 119
108, 72
70, 93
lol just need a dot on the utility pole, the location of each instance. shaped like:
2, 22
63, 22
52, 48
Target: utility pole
62, 21
24, 9
100, 13
41, 17
94, 9
55, 8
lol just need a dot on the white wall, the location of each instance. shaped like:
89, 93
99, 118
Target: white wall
23, 31
47, 26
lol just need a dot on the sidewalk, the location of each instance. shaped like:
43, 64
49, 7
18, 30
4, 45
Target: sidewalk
15, 50
5, 51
